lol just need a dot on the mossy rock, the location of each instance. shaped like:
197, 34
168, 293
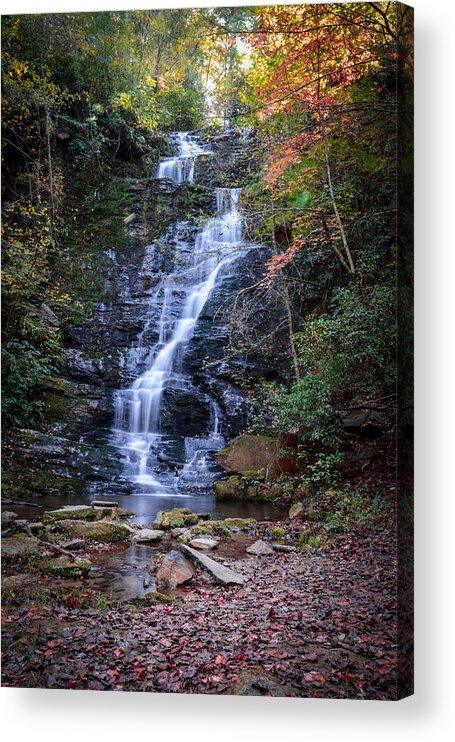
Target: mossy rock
19, 548
65, 567
175, 518
153, 598
69, 512
233, 487
278, 532
105, 531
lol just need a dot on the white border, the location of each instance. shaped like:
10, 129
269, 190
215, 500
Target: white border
82, 715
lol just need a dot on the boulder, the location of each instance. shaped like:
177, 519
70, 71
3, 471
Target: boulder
75, 544
17, 547
248, 453
147, 535
176, 518
69, 512
220, 573
260, 548
204, 543
226, 489
66, 567
101, 530
174, 570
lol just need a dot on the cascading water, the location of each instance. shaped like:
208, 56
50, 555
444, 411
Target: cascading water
181, 167
180, 299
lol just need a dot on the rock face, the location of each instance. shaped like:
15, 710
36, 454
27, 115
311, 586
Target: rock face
237, 487
364, 422
101, 530
174, 570
260, 548
248, 453
220, 573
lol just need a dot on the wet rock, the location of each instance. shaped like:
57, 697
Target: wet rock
102, 530
147, 535
66, 567
103, 504
260, 548
175, 518
220, 573
204, 543
18, 547
231, 488
69, 512
174, 570
296, 510
191, 409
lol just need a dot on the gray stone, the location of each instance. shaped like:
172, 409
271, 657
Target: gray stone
145, 535
260, 548
221, 574
18, 546
74, 545
205, 543
286, 548
69, 512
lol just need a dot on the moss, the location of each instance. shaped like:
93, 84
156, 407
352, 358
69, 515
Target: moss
278, 532
69, 513
151, 598
175, 518
101, 530
66, 567
238, 522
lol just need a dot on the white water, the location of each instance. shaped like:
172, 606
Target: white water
181, 167
181, 296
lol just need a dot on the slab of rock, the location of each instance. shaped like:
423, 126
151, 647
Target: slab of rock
69, 512
260, 548
286, 548
146, 535
174, 570
176, 532
205, 543
101, 530
247, 453
103, 504
221, 574
18, 546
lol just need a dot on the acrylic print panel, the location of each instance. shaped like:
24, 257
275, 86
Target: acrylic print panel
207, 242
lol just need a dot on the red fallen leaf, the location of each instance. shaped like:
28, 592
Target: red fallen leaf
118, 652
220, 660
311, 657
113, 672
240, 656
48, 653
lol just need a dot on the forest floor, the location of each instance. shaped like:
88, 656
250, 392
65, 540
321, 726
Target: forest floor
313, 623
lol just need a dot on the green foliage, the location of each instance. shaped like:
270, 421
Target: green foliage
24, 368
348, 507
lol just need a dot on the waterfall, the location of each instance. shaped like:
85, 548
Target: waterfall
180, 300
181, 167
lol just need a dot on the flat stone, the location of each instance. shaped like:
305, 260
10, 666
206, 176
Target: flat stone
18, 546
284, 548
221, 574
205, 543
176, 532
260, 548
174, 570
101, 530
145, 535
103, 504
69, 512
